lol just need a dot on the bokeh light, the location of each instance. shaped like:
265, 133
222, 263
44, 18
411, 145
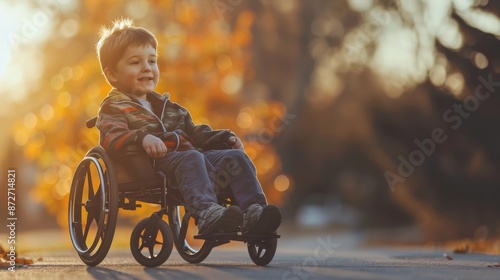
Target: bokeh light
47, 112
6, 25
64, 99
281, 183
224, 62
231, 84
137, 8
21, 137
30, 120
244, 119
480, 60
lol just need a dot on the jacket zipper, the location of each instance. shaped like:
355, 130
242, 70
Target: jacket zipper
159, 119
176, 135
178, 141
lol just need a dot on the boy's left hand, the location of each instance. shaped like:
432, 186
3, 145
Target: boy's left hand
235, 143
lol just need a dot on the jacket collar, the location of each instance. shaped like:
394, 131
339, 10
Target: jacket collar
117, 96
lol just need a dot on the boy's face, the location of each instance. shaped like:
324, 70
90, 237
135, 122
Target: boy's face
136, 72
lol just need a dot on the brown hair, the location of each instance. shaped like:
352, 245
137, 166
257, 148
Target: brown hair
114, 41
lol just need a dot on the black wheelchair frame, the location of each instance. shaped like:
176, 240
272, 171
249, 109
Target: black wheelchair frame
103, 183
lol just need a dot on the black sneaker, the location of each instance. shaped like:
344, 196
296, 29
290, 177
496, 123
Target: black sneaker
217, 219
261, 219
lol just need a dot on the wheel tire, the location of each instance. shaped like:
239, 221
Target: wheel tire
93, 213
179, 228
262, 252
139, 241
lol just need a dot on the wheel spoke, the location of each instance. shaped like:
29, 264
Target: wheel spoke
97, 210
90, 218
98, 194
151, 250
259, 252
141, 239
91, 186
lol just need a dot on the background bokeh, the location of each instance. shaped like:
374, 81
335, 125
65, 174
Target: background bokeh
356, 113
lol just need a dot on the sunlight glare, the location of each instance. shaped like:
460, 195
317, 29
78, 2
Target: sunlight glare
23, 27
5, 46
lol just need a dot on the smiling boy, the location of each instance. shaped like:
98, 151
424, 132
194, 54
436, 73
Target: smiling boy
134, 114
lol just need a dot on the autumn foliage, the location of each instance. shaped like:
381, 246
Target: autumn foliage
204, 62
5, 260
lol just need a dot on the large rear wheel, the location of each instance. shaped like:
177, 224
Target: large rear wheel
93, 206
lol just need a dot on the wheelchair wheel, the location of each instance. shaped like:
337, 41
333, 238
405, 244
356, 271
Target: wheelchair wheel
192, 253
262, 252
93, 206
147, 247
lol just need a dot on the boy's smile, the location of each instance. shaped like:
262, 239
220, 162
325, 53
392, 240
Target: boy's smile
136, 72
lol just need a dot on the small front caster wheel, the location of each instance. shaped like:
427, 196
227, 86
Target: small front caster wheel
262, 252
148, 247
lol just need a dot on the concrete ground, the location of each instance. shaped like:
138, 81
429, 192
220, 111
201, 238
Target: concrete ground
318, 254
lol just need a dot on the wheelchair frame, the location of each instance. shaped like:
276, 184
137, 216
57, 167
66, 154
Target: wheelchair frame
122, 181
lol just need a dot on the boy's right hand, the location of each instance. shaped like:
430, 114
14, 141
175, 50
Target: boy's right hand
154, 146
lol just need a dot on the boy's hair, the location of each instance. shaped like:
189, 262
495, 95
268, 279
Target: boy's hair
114, 41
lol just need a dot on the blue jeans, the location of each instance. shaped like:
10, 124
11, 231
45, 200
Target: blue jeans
200, 176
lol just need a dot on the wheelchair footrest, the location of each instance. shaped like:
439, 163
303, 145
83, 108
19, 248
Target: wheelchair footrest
236, 236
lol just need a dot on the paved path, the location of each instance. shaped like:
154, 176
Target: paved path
320, 255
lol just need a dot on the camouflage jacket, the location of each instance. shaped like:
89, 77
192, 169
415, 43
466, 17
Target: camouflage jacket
123, 120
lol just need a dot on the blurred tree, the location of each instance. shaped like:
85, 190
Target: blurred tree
297, 48
364, 130
460, 181
451, 192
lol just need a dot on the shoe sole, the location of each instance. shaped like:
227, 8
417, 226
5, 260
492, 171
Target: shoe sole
229, 221
269, 221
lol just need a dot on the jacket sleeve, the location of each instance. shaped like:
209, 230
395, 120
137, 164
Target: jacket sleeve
204, 137
114, 132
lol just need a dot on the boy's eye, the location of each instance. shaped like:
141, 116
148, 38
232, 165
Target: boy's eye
134, 62
152, 61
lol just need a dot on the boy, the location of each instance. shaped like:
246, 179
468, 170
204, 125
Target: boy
133, 113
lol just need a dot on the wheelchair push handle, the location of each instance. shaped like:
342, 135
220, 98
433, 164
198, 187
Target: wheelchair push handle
91, 122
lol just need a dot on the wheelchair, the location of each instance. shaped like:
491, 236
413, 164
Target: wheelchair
103, 183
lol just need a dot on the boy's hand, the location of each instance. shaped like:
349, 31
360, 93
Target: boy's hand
235, 143
153, 146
